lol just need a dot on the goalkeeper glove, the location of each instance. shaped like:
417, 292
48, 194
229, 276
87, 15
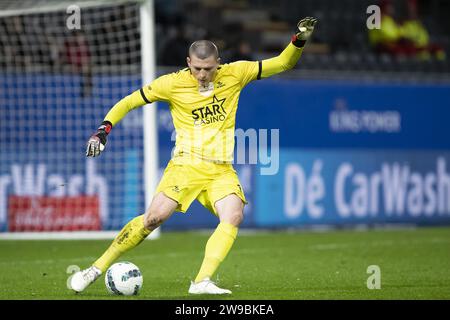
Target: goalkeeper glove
305, 28
97, 141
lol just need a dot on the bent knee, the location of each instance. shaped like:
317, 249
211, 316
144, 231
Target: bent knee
235, 218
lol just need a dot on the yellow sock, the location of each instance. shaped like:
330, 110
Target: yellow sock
129, 237
217, 248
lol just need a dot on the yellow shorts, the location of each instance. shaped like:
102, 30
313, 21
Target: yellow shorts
205, 181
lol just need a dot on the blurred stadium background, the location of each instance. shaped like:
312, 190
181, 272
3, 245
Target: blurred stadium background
363, 130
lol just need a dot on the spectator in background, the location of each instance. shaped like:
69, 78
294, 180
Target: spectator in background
388, 39
78, 56
410, 38
414, 31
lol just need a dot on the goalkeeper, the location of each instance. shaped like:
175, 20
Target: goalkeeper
203, 101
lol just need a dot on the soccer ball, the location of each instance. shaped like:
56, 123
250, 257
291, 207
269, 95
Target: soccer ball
123, 278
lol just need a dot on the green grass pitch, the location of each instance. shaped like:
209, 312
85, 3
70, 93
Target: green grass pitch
414, 264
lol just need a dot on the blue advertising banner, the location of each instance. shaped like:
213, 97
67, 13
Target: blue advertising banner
376, 147
340, 187
333, 114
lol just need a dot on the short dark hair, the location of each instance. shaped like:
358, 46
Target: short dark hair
203, 49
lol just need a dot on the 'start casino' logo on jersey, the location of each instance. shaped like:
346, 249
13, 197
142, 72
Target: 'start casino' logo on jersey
210, 113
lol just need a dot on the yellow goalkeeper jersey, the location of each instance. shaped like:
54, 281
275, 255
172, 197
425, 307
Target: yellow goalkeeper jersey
205, 123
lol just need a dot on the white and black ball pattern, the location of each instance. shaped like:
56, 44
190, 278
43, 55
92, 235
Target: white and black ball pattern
123, 278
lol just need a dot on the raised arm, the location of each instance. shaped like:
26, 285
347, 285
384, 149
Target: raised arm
291, 54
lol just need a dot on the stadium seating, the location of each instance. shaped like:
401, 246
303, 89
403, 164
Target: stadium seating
266, 25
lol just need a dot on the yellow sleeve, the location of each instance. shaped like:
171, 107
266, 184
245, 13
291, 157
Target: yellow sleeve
246, 71
285, 61
158, 90
125, 105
